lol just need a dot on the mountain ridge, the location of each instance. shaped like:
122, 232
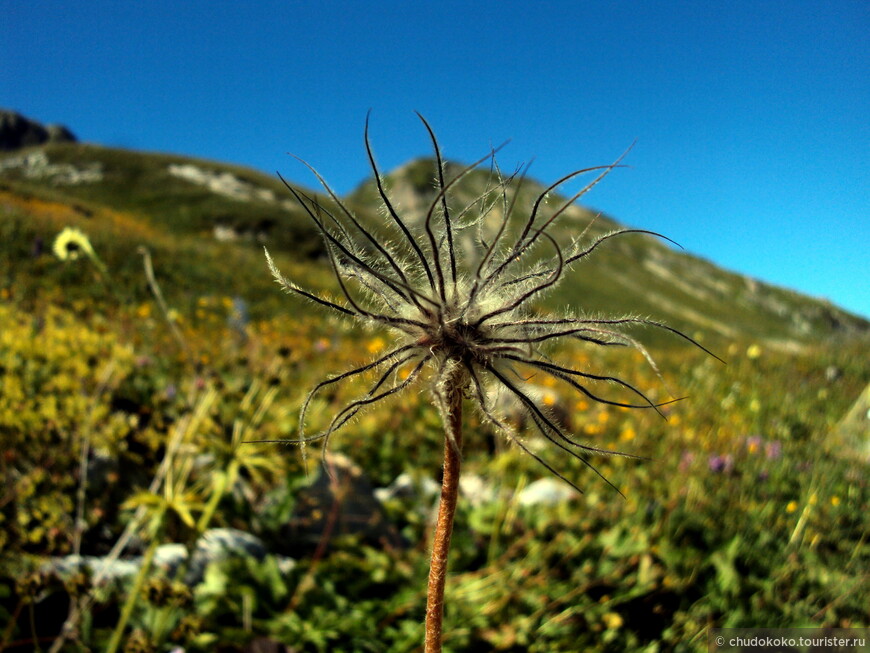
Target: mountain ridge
208, 201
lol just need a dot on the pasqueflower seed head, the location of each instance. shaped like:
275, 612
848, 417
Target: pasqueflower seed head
456, 289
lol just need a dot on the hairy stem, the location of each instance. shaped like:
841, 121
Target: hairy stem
446, 512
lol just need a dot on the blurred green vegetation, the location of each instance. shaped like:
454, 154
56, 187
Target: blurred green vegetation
752, 511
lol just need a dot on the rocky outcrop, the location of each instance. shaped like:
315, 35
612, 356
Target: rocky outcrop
16, 132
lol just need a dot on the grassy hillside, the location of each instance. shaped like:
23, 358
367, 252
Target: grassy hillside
122, 430
173, 200
641, 274
175, 195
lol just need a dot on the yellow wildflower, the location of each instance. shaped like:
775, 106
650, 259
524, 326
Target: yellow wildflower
791, 507
613, 620
70, 244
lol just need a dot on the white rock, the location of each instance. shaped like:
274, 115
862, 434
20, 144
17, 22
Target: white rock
546, 492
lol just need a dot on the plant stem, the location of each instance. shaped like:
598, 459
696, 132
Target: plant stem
446, 512
155, 288
138, 584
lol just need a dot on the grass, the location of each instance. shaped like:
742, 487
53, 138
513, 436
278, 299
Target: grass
752, 513
141, 184
777, 537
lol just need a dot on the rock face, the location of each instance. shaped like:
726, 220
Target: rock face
16, 132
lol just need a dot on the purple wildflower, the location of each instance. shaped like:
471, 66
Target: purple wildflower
721, 464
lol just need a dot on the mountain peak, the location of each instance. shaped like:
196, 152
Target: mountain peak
17, 132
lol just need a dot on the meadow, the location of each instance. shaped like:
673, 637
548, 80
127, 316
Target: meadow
124, 425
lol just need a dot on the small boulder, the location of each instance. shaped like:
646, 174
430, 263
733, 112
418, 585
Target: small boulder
214, 545
406, 486
476, 490
546, 492
340, 501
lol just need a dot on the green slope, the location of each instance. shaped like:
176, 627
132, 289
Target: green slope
640, 274
207, 222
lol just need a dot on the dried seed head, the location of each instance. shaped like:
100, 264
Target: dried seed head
460, 299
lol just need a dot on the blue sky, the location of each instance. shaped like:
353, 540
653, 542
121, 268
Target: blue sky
752, 118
